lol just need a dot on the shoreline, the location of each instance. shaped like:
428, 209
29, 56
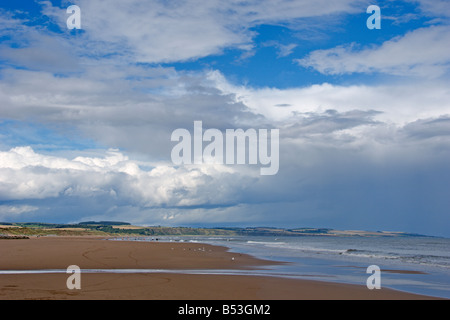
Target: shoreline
94, 253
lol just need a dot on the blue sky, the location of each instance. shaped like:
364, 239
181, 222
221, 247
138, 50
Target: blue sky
86, 115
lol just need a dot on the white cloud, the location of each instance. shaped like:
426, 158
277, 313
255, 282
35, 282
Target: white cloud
25, 174
13, 212
421, 52
435, 8
396, 103
284, 50
163, 31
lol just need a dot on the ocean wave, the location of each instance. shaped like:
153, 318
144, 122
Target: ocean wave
429, 260
369, 254
267, 243
295, 247
423, 259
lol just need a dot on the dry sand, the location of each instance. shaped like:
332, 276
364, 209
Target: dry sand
92, 253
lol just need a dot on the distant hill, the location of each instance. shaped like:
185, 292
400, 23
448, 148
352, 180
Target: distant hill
105, 223
116, 228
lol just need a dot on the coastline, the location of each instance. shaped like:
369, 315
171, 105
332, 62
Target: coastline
50, 253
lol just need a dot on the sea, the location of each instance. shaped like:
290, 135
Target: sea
345, 259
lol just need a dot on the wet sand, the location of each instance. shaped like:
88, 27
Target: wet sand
92, 253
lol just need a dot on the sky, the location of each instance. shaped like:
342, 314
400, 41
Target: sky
86, 115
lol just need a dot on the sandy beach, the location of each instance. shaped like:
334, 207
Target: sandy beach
94, 253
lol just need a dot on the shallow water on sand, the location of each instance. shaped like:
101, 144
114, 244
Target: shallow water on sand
345, 259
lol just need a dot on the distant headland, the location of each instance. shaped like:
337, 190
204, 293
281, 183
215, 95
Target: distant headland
9, 230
